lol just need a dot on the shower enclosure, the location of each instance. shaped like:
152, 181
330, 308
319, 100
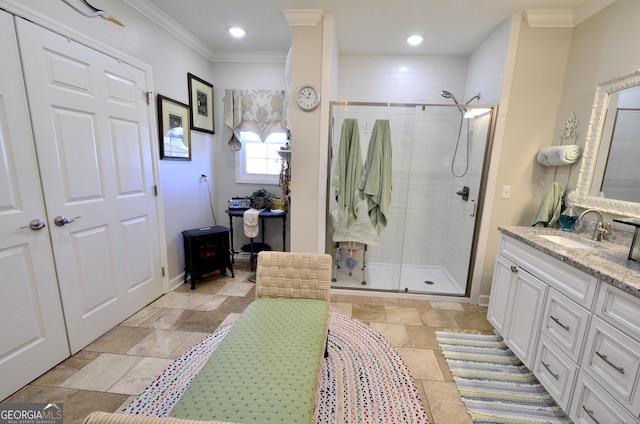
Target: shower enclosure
439, 166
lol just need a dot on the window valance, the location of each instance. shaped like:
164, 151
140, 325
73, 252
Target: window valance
260, 111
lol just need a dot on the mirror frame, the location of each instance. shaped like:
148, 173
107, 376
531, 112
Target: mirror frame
592, 146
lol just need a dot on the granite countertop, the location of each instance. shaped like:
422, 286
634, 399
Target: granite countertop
606, 259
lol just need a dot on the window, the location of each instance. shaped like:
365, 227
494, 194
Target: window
259, 162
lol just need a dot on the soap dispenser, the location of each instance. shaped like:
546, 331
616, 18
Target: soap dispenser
568, 218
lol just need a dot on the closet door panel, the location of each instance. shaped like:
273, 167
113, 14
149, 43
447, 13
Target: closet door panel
91, 123
32, 337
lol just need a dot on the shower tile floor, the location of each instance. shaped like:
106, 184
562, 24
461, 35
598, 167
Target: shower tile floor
414, 279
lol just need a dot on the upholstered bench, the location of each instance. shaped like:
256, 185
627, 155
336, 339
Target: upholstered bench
267, 368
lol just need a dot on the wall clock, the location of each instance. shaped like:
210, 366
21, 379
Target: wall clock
308, 98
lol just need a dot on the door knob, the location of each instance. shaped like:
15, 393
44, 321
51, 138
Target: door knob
35, 224
61, 220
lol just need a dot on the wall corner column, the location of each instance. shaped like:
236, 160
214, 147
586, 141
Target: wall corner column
307, 198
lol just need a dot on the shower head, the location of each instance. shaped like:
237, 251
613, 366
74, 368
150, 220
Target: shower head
447, 95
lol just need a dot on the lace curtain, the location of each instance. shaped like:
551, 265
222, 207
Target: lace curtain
260, 111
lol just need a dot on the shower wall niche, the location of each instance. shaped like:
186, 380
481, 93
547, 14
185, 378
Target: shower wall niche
428, 244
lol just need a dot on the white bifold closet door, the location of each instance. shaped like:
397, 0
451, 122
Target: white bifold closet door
94, 177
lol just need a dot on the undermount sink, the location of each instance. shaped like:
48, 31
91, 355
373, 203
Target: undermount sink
567, 242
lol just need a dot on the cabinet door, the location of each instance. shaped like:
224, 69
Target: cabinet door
524, 328
501, 288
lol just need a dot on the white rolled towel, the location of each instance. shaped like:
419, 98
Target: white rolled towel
251, 218
559, 155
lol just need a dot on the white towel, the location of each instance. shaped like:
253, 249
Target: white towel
559, 155
361, 231
251, 218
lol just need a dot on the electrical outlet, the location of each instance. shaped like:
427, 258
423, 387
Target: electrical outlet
506, 192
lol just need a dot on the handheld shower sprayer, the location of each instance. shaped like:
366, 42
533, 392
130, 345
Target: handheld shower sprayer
448, 95
463, 110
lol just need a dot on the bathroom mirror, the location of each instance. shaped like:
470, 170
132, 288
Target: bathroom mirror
609, 178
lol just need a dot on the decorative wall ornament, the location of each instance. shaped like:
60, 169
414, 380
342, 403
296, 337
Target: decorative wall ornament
93, 13
569, 128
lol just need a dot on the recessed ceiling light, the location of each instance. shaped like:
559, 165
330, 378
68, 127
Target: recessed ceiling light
414, 40
237, 32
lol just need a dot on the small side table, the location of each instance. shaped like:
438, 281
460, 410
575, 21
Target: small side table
239, 213
206, 252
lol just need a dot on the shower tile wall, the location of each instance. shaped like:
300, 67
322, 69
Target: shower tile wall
412, 79
417, 79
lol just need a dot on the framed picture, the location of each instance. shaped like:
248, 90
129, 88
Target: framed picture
174, 129
201, 104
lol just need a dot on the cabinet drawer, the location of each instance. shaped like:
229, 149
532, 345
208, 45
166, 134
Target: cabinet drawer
612, 359
555, 371
565, 322
592, 405
573, 283
619, 309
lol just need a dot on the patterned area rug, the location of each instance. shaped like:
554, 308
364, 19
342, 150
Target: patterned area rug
494, 385
364, 379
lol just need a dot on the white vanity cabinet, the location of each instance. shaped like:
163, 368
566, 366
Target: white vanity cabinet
563, 327
579, 336
611, 358
516, 308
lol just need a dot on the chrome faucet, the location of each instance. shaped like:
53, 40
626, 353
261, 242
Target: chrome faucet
599, 229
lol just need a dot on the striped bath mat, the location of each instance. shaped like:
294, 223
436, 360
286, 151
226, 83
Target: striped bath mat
494, 385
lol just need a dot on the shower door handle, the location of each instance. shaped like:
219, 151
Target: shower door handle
475, 207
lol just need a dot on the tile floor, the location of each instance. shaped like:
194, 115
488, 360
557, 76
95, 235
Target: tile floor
110, 372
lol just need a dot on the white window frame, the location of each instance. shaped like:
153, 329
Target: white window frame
244, 177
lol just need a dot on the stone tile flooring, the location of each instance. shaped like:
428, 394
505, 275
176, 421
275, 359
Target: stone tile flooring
107, 374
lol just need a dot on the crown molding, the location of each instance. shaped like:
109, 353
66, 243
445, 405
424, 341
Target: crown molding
303, 17
564, 18
588, 9
165, 22
249, 57
549, 18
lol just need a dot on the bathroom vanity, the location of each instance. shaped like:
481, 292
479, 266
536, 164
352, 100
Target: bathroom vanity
569, 308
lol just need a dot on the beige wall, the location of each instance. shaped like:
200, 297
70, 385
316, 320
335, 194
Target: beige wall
531, 96
306, 68
603, 47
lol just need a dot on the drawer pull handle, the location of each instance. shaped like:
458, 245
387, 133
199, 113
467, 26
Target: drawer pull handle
554, 375
590, 414
605, 359
566, 327
514, 268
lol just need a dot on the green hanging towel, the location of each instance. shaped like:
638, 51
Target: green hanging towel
347, 172
375, 184
550, 207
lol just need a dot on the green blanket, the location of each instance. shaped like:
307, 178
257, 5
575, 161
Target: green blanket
267, 367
